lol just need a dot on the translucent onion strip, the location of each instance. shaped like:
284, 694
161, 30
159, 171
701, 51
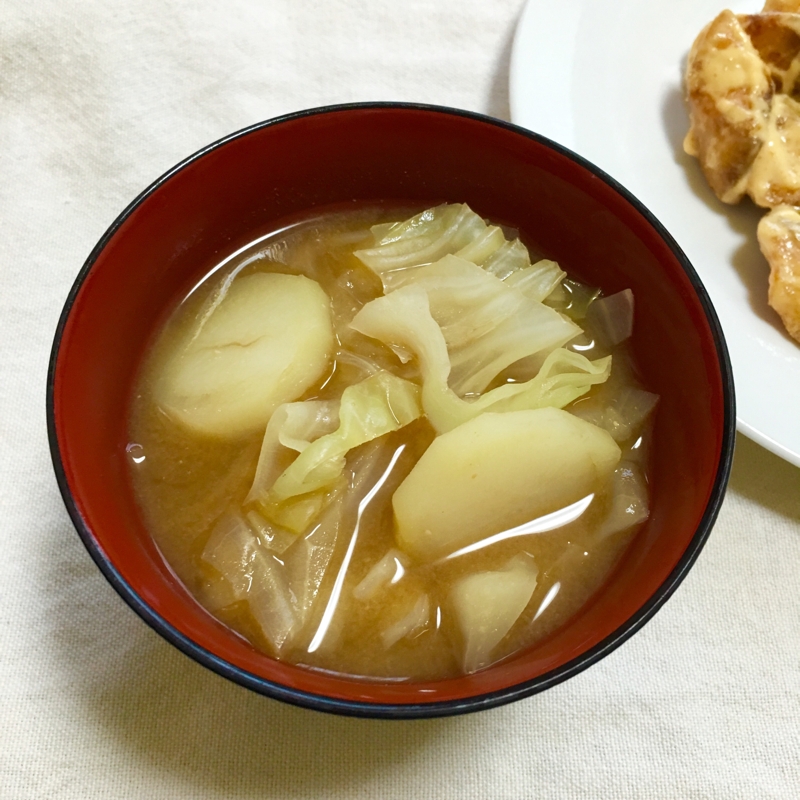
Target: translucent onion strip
612, 317
630, 504
415, 621
384, 572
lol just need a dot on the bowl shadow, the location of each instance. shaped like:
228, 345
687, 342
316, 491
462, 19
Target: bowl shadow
198, 728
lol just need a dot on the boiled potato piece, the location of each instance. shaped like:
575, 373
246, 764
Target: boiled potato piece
268, 340
487, 604
496, 472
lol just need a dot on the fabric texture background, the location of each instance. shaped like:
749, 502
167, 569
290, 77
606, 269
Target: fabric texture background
96, 101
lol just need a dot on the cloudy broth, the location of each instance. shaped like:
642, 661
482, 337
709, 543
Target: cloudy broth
185, 482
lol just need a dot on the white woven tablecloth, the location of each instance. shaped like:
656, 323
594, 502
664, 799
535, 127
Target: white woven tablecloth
98, 99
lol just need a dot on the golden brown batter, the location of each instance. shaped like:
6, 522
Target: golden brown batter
743, 91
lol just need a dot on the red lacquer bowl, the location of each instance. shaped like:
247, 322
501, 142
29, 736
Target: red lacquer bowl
240, 187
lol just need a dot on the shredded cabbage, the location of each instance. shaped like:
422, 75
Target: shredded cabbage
388, 570
310, 558
282, 592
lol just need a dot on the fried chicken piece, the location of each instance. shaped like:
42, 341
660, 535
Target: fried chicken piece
741, 80
781, 5
729, 92
779, 239
743, 91
776, 38
774, 177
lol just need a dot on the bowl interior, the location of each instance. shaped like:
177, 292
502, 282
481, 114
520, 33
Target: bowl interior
228, 195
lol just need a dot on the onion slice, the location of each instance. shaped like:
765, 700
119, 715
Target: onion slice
612, 317
388, 570
415, 620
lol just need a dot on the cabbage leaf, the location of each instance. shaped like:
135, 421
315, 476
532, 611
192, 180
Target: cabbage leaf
401, 248
254, 575
509, 258
414, 622
403, 319
293, 426
537, 281
282, 593
426, 238
487, 325
377, 405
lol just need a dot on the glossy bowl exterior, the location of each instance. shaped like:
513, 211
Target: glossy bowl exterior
243, 186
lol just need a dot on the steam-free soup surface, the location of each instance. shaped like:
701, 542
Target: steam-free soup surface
339, 578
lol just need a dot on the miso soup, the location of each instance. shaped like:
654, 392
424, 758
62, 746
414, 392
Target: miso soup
390, 443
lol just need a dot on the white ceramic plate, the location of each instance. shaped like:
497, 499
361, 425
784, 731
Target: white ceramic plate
603, 77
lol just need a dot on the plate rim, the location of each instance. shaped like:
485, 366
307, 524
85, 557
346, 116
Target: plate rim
523, 34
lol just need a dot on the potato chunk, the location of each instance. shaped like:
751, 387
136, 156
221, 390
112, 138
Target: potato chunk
496, 472
265, 343
487, 604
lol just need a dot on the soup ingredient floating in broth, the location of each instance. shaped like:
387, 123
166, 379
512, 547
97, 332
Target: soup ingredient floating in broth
464, 327
487, 604
410, 396
368, 410
497, 473
261, 342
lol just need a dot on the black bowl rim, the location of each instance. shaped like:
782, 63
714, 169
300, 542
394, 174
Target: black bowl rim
436, 708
